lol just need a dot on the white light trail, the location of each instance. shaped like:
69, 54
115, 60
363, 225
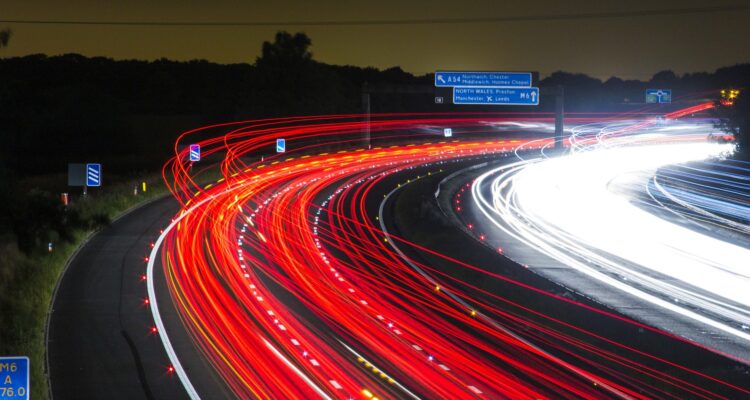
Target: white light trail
573, 209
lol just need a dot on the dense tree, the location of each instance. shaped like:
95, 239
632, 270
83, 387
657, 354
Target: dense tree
286, 48
71, 108
734, 118
664, 79
579, 89
288, 81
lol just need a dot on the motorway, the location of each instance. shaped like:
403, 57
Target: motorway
98, 329
100, 343
312, 274
607, 236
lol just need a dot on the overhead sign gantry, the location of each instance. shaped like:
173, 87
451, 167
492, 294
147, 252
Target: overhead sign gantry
489, 88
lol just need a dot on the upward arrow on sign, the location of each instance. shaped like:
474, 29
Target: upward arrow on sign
528, 96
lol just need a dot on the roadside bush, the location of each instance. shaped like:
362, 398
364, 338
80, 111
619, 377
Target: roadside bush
29, 273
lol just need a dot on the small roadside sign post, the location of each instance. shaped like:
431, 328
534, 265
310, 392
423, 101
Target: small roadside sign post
195, 152
280, 145
93, 175
85, 175
14, 378
660, 96
447, 132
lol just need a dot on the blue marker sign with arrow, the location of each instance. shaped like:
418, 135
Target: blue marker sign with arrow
496, 96
474, 79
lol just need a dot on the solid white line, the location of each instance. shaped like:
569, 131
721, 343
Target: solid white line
502, 210
161, 331
492, 322
192, 393
184, 379
407, 391
297, 371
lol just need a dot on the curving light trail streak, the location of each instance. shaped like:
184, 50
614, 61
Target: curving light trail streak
286, 281
581, 210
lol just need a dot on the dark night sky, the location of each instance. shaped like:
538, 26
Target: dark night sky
629, 47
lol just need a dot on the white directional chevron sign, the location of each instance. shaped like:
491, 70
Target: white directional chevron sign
195, 152
93, 175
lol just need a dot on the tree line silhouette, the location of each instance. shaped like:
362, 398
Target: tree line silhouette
54, 110
127, 113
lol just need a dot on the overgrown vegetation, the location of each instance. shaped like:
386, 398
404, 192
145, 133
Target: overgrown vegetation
29, 272
734, 118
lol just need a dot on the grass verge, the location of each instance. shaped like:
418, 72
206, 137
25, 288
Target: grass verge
28, 280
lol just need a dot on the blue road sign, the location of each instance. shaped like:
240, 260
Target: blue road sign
93, 175
280, 145
14, 378
195, 152
658, 96
496, 96
474, 79
447, 132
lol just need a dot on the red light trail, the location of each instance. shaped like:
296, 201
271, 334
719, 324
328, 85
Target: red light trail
283, 277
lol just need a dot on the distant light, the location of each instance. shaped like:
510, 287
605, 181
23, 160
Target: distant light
728, 96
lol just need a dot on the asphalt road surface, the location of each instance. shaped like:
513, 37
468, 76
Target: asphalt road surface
100, 344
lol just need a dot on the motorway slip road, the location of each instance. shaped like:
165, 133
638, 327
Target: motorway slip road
100, 344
